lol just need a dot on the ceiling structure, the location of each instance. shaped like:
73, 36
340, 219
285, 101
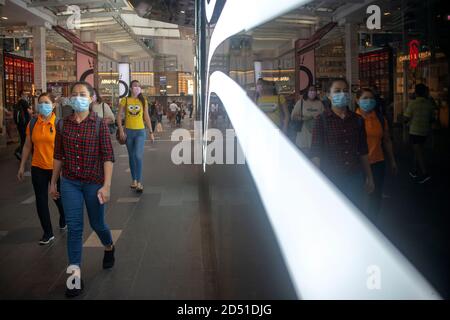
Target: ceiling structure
305, 20
113, 24
129, 28
178, 12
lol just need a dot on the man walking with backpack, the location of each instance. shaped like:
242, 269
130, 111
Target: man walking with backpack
420, 115
22, 115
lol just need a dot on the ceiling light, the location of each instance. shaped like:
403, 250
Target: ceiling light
387, 13
324, 10
5, 18
182, 11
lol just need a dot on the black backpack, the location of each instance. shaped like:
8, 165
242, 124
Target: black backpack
60, 125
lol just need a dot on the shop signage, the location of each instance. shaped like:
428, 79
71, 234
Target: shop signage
422, 56
109, 81
124, 79
276, 78
413, 53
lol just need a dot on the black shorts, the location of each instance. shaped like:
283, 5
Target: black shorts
415, 139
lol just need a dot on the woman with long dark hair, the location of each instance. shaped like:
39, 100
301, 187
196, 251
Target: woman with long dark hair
84, 154
304, 112
40, 143
136, 117
380, 146
102, 109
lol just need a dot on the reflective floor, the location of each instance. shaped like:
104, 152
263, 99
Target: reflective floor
195, 236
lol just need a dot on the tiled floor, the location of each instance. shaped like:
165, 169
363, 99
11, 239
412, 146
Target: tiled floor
191, 235
166, 247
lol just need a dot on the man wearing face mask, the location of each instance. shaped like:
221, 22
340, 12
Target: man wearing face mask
339, 145
40, 141
22, 115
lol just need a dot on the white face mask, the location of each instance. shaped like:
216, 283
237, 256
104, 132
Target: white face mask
136, 91
312, 95
259, 88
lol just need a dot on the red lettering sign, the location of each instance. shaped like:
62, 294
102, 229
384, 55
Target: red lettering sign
414, 53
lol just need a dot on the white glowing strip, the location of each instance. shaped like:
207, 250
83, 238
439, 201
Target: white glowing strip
237, 16
326, 242
209, 9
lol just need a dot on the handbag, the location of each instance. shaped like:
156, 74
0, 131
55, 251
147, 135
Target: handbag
159, 127
298, 124
120, 141
118, 137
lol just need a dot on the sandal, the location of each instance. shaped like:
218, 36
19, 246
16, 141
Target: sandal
134, 185
139, 188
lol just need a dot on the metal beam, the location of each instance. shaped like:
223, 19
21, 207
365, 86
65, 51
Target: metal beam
100, 14
59, 3
342, 13
47, 16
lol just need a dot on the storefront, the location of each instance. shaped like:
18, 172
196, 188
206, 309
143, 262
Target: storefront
19, 75
429, 68
375, 71
61, 71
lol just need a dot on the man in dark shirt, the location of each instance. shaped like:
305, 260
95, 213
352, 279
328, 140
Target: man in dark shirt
22, 116
339, 145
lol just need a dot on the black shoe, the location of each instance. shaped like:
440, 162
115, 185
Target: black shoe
108, 259
413, 174
423, 179
46, 240
72, 293
62, 224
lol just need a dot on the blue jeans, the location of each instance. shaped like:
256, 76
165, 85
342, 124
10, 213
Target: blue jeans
351, 185
135, 147
73, 195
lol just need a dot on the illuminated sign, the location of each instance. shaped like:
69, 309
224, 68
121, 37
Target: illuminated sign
258, 70
413, 53
422, 56
109, 81
276, 79
124, 79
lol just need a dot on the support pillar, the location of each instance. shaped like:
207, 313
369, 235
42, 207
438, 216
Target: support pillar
351, 54
39, 59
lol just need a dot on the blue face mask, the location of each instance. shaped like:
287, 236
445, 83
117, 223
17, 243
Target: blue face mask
45, 109
79, 104
367, 105
340, 99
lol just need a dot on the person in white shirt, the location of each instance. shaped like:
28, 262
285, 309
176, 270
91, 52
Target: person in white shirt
305, 111
174, 108
102, 109
214, 112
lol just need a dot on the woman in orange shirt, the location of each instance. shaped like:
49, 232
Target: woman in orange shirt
380, 146
40, 141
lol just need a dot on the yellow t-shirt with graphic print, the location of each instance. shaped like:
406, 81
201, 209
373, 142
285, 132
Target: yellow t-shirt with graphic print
134, 113
271, 106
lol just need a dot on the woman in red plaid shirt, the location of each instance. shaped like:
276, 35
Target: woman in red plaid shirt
84, 155
339, 145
